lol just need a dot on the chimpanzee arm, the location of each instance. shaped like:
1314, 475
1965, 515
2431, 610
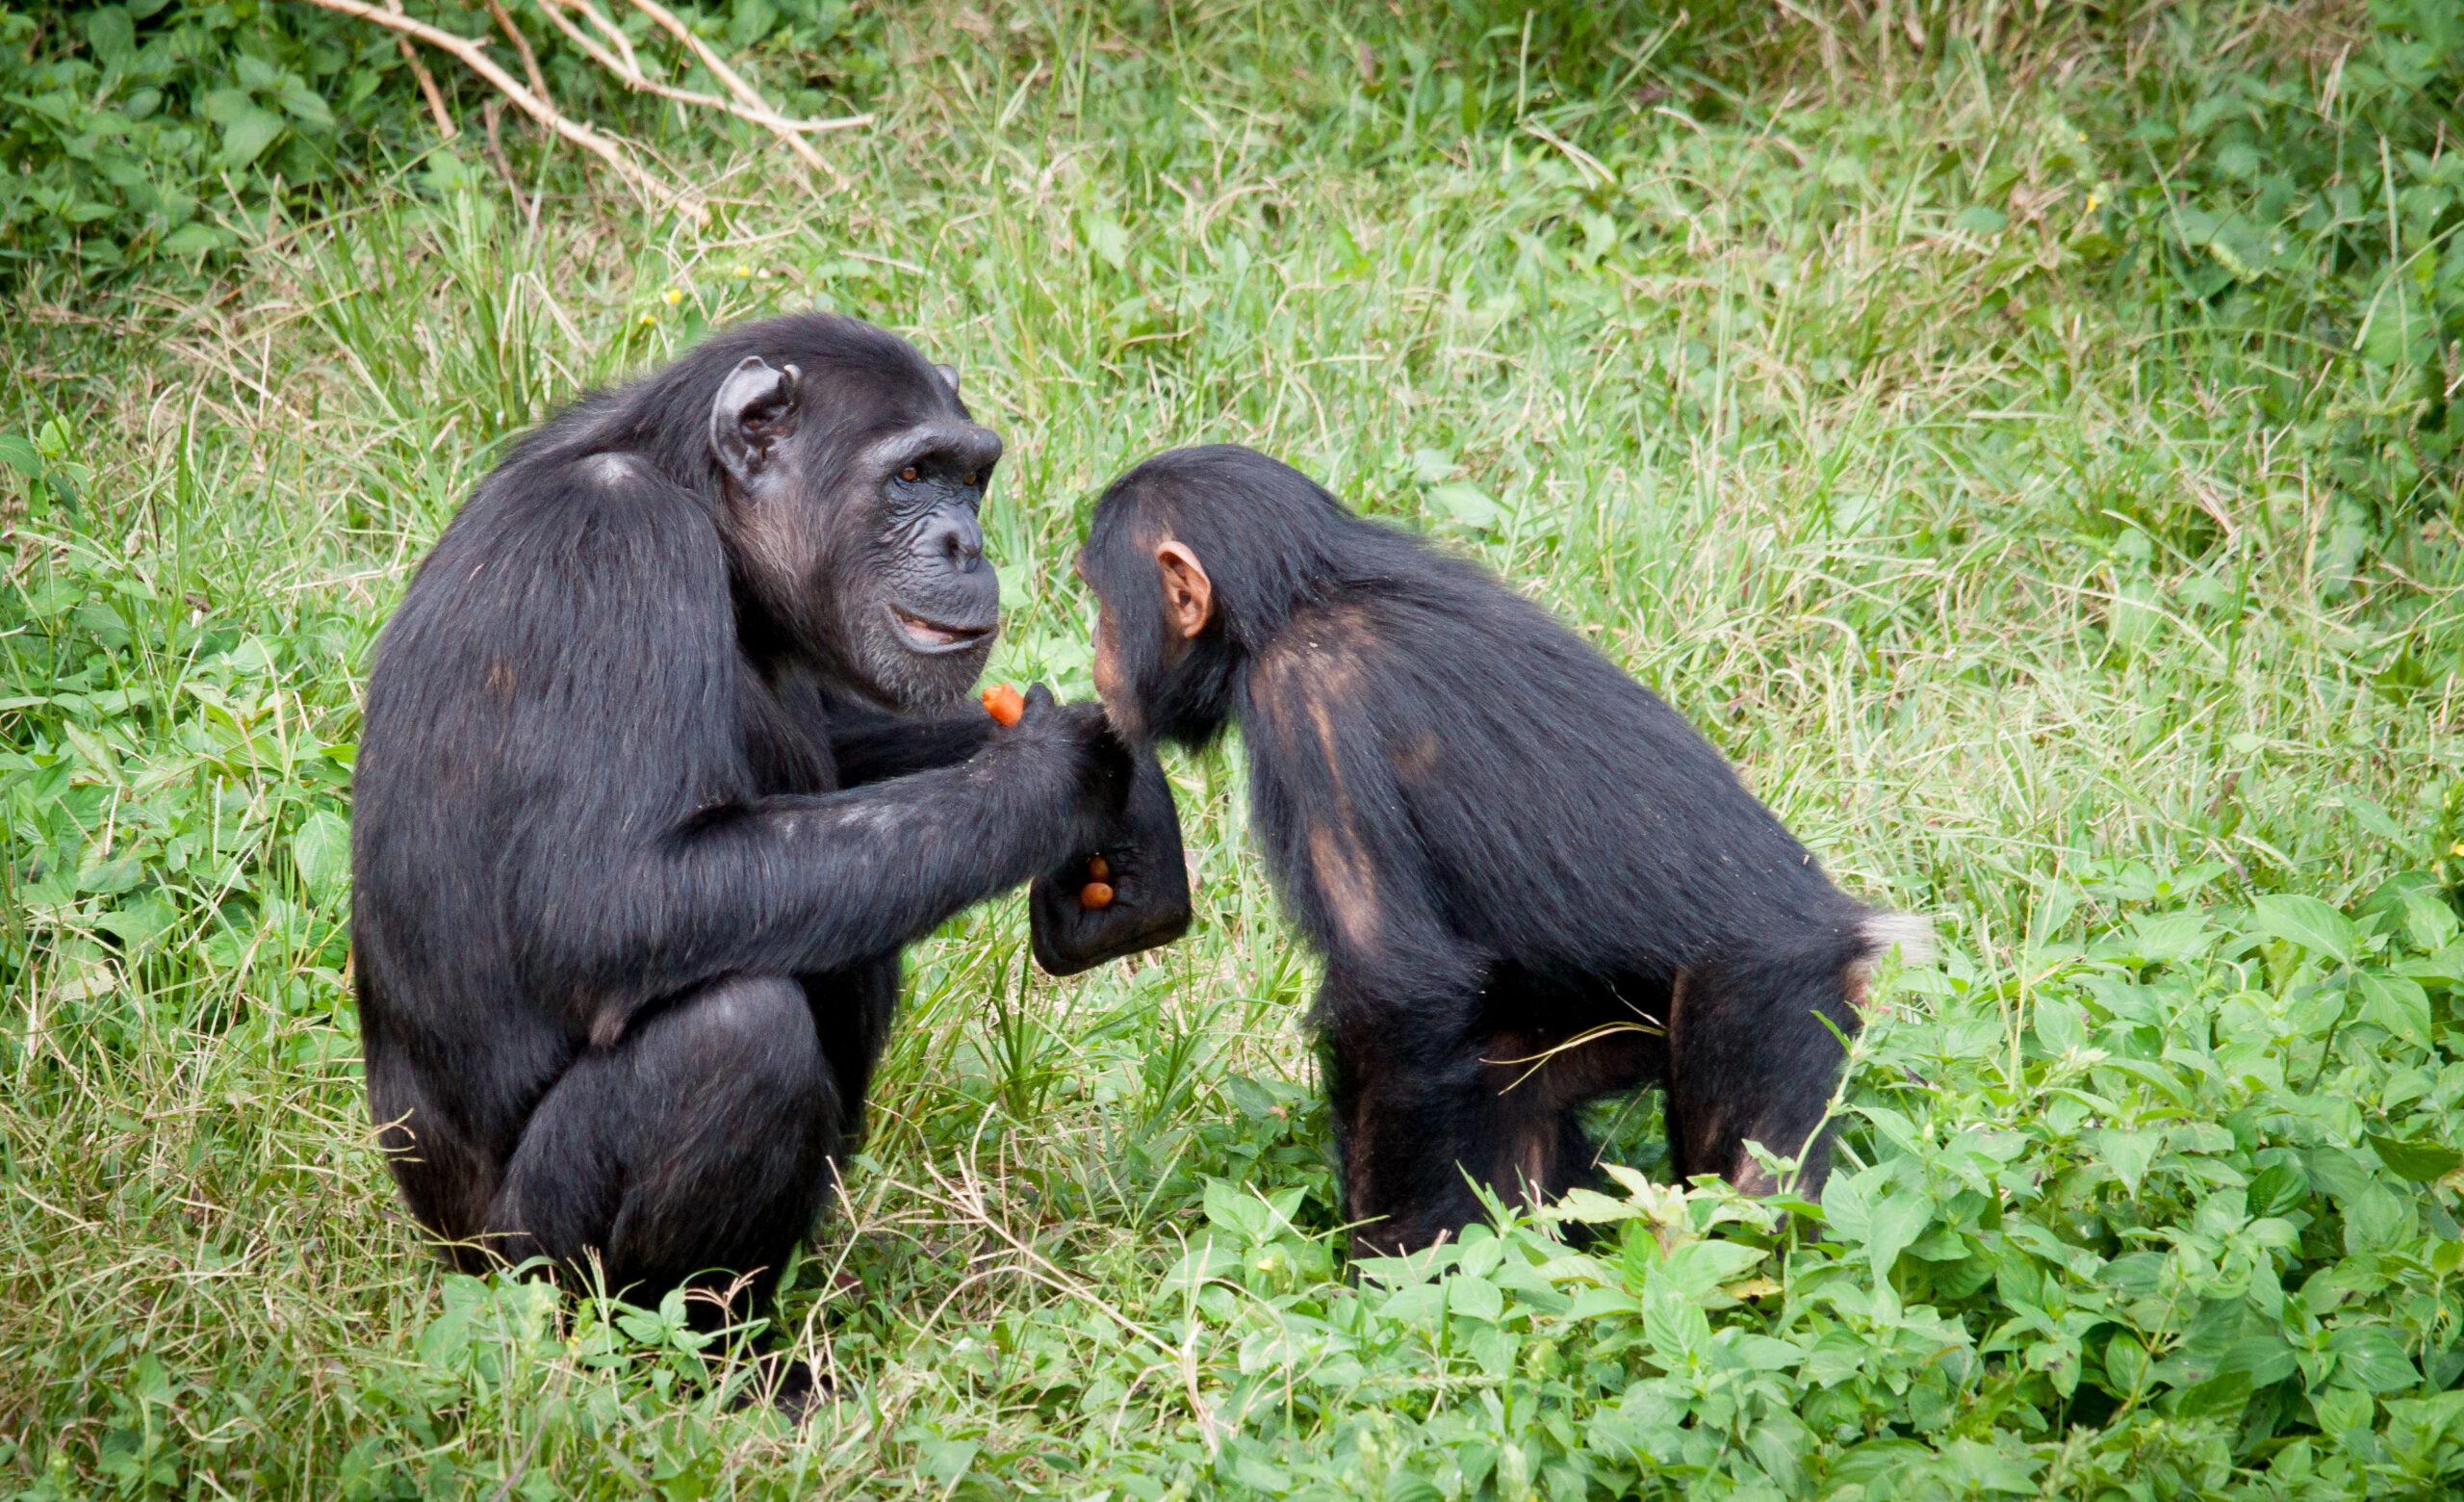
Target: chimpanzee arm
795, 885
854, 874
1337, 826
871, 745
578, 697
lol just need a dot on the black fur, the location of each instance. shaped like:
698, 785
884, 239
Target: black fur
644, 814
1503, 844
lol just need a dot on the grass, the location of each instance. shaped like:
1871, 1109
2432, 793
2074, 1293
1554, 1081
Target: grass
2114, 628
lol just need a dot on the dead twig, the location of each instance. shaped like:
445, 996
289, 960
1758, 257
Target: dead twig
751, 105
489, 114
522, 44
747, 105
474, 56
435, 96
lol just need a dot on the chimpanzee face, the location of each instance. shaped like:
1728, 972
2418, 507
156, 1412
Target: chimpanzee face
1157, 667
853, 520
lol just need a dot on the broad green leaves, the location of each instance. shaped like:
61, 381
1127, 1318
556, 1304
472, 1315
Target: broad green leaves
321, 849
2128, 1225
2307, 921
1468, 505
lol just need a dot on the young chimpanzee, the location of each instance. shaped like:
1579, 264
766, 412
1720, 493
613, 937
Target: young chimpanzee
1533, 883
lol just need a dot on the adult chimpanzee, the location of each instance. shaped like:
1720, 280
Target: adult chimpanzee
1533, 883
648, 803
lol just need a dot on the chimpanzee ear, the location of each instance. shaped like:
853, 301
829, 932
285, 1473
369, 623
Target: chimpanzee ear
1189, 595
949, 376
756, 407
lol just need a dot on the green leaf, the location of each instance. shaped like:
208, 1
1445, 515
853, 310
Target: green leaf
945, 1461
2418, 1432
1468, 505
1848, 1200
139, 922
1698, 1267
1108, 239
222, 106
1897, 1222
322, 851
2226, 1393
2171, 938
2378, 1220
2125, 1364
2369, 1358
1476, 1297
109, 876
111, 33
2420, 1160
2278, 1187
1230, 1209
753, 20
2127, 1152
1978, 218
2396, 328
191, 239
1672, 1323
2445, 968
18, 451
2429, 919
2307, 921
306, 106
2061, 1026
246, 136
2397, 1003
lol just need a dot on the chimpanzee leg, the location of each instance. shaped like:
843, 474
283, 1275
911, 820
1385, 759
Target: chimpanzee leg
695, 1148
1408, 1101
1536, 1082
1750, 1059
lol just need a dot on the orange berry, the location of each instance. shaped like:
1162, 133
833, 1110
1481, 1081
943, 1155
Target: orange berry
1097, 868
1005, 704
1095, 894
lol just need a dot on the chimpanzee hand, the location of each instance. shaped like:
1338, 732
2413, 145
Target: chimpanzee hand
1074, 742
1148, 886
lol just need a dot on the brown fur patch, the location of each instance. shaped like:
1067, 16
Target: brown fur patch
608, 1028
1415, 762
1314, 667
1346, 884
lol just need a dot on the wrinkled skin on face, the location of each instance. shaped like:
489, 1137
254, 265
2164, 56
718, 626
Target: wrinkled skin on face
851, 521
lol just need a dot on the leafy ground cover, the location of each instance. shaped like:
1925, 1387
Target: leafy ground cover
1888, 406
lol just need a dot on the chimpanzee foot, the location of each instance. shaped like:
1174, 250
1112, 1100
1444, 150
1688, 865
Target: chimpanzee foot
793, 1387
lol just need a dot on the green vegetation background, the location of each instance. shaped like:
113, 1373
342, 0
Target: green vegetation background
2019, 435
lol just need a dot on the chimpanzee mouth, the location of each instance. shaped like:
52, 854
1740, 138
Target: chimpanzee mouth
923, 635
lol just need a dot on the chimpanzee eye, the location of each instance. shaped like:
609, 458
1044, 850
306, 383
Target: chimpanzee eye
970, 478
907, 472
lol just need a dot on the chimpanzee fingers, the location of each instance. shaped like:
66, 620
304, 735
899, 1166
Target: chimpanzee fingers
1070, 935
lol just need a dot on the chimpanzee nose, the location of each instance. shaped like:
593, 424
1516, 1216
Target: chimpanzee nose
956, 540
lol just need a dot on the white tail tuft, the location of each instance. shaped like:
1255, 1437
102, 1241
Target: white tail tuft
1913, 932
